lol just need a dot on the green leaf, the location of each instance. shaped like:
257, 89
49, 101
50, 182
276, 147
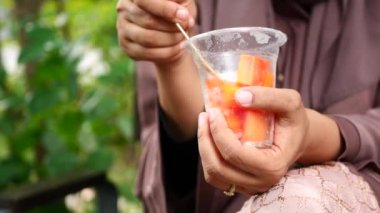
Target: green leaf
13, 171
60, 162
3, 76
43, 100
38, 39
30, 53
39, 34
126, 127
120, 72
101, 105
87, 139
101, 159
4, 147
68, 126
52, 142
52, 72
23, 141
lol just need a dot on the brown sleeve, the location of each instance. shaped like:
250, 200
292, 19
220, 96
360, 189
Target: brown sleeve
361, 136
168, 166
149, 186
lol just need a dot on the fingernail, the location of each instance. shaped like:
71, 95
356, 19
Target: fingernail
182, 14
201, 119
212, 114
191, 22
244, 97
182, 45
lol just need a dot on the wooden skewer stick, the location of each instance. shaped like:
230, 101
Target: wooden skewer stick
197, 52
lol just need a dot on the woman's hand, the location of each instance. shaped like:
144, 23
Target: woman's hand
226, 161
147, 31
146, 28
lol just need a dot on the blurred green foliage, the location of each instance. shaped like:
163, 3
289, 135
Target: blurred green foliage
55, 116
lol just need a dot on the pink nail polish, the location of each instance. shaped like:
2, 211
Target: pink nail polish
244, 97
182, 45
191, 22
212, 114
201, 119
182, 14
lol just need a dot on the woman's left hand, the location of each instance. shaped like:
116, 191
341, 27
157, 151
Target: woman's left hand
227, 161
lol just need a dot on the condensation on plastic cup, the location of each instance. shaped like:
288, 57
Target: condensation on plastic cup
243, 56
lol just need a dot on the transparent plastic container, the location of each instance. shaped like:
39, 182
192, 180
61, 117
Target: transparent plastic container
244, 56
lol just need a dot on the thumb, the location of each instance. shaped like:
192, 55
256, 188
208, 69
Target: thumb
279, 101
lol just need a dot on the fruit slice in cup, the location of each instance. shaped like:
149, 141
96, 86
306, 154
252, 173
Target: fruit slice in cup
251, 126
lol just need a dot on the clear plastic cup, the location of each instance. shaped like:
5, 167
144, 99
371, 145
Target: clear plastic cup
244, 56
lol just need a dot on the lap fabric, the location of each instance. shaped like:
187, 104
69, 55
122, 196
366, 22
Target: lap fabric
330, 187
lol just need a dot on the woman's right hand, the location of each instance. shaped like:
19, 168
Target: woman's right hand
147, 31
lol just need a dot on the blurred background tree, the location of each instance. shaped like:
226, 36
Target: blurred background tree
66, 95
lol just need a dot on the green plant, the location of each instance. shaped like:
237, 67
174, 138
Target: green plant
57, 115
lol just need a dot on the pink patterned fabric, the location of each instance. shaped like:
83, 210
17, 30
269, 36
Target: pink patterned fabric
324, 188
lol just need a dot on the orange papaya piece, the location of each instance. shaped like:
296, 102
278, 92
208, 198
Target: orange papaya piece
256, 126
234, 119
214, 98
252, 70
228, 93
214, 87
268, 80
213, 82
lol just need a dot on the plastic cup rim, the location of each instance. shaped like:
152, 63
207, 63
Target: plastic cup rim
281, 37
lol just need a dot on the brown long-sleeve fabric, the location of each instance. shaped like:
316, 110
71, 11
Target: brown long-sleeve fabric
331, 58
